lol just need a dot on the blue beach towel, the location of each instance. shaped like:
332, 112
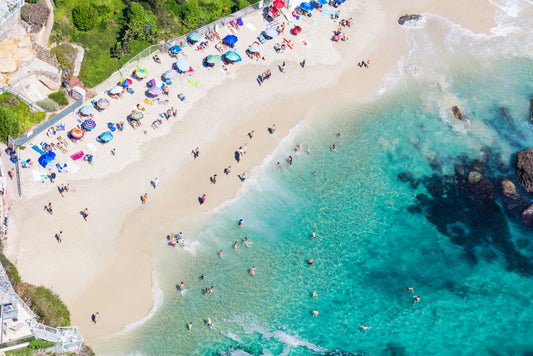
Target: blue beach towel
38, 149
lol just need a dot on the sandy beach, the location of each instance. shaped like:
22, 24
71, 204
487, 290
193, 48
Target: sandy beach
105, 264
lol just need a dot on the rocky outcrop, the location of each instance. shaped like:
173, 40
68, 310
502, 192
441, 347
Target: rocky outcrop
405, 18
524, 168
527, 216
457, 113
35, 15
513, 203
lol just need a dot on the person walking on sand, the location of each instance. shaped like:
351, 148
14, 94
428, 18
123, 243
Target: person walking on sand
144, 198
214, 179
94, 317
85, 214
227, 170
49, 208
155, 182
302, 63
59, 237
202, 199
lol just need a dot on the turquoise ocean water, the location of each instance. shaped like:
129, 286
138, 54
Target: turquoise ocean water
390, 211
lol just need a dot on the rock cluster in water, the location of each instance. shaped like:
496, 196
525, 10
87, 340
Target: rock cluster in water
405, 18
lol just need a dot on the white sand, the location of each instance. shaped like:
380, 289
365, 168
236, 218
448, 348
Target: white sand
105, 264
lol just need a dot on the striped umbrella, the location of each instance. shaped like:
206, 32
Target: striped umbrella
137, 115
271, 32
254, 48
194, 37
141, 72
87, 110
76, 133
117, 89
155, 83
182, 65
213, 59
126, 82
170, 74
232, 56
102, 103
89, 124
155, 91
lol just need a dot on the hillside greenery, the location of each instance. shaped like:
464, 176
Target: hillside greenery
118, 30
16, 116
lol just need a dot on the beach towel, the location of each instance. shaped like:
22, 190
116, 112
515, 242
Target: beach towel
39, 176
38, 149
250, 27
148, 101
71, 167
192, 82
239, 21
326, 12
77, 155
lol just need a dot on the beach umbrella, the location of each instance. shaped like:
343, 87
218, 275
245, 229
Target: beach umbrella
89, 124
137, 115
254, 48
126, 82
47, 160
117, 89
175, 49
170, 74
102, 103
232, 56
106, 136
194, 37
231, 39
271, 32
87, 110
182, 65
76, 133
141, 72
307, 6
213, 59
322, 2
155, 91
155, 83
278, 4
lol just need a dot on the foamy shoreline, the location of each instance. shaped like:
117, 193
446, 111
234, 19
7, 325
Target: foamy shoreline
103, 263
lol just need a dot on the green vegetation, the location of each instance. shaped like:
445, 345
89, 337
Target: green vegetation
11, 270
65, 54
47, 305
16, 116
84, 17
48, 105
124, 28
59, 97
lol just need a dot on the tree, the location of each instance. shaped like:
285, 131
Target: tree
84, 17
142, 23
9, 124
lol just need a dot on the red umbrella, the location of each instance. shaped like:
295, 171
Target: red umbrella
278, 4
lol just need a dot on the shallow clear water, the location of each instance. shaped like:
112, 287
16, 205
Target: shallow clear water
387, 216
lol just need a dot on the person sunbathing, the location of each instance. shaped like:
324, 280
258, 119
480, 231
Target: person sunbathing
140, 108
157, 59
165, 90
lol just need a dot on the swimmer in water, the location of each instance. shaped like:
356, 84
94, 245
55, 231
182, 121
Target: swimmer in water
235, 245
315, 294
202, 277
364, 327
240, 223
212, 289
209, 322
314, 174
310, 261
410, 288
189, 326
245, 241
416, 299
315, 313
182, 286
313, 235
339, 135
252, 271
278, 165
333, 148
220, 254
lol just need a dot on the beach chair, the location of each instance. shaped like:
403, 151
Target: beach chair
262, 39
239, 21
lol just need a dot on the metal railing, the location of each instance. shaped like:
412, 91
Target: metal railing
45, 125
21, 97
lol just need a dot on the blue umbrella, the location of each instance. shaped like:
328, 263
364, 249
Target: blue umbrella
195, 36
271, 32
322, 2
231, 39
87, 110
175, 49
117, 89
254, 48
232, 56
106, 136
182, 65
47, 160
307, 6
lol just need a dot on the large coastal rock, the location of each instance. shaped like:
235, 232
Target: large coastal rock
527, 216
524, 168
36, 79
513, 203
457, 113
405, 18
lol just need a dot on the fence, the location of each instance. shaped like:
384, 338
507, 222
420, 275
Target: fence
21, 97
12, 7
45, 125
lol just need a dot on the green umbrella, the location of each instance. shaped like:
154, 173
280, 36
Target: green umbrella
195, 36
141, 72
213, 59
232, 56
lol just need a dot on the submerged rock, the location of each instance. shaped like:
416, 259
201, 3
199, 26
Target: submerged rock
524, 168
403, 19
513, 203
527, 216
457, 113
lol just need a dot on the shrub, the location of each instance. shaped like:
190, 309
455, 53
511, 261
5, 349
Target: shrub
48, 105
59, 97
47, 305
35, 15
31, 1
9, 125
40, 344
84, 17
11, 270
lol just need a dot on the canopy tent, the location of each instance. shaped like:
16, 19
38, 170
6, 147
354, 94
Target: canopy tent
254, 48
322, 2
117, 89
141, 72
182, 65
76, 133
175, 49
307, 6
89, 124
231, 39
195, 37
278, 4
170, 74
47, 160
87, 110
232, 56
271, 32
155, 83
105, 137
213, 59
102, 103
126, 82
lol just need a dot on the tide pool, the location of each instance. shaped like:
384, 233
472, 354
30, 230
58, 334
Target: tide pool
389, 212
